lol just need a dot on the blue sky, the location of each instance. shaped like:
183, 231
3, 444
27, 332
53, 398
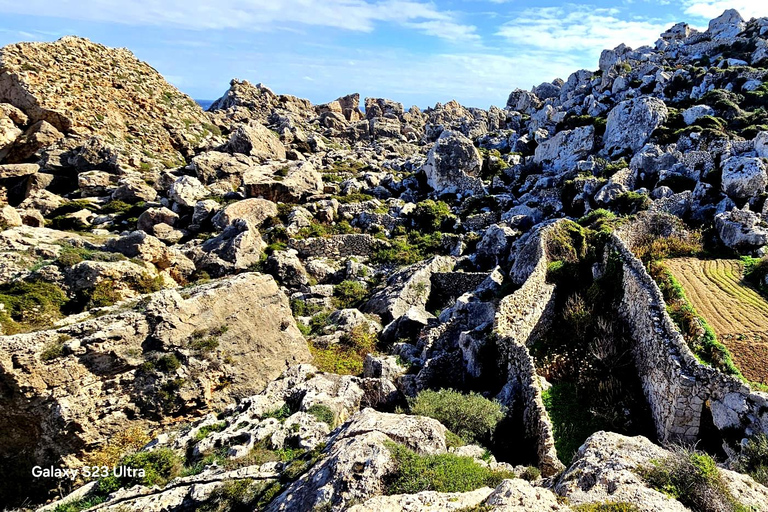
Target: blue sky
413, 51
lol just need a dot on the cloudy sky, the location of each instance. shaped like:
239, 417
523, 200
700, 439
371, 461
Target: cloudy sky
415, 51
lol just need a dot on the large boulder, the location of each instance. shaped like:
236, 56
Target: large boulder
726, 26
254, 211
631, 123
453, 164
741, 229
236, 248
38, 136
409, 287
289, 182
562, 151
186, 191
173, 356
744, 177
605, 468
254, 139
117, 97
359, 460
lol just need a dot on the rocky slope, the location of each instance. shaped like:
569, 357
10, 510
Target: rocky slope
168, 273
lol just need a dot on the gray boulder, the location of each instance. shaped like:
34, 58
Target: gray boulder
290, 182
744, 177
254, 139
562, 151
254, 211
741, 229
631, 123
453, 164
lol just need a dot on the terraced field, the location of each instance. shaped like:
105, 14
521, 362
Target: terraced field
736, 311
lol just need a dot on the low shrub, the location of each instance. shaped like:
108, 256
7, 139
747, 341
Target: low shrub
347, 356
693, 479
753, 459
430, 215
472, 417
441, 473
630, 203
349, 294
53, 349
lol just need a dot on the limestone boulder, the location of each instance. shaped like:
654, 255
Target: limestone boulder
108, 378
290, 182
741, 229
562, 151
726, 26
254, 139
186, 191
253, 210
235, 249
453, 165
632, 122
744, 177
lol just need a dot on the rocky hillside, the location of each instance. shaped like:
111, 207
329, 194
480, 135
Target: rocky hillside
275, 305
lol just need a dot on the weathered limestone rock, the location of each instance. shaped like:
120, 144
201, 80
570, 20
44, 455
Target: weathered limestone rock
426, 500
133, 189
562, 151
212, 166
691, 115
741, 229
407, 288
631, 123
153, 216
139, 244
452, 164
726, 26
115, 93
9, 217
101, 384
187, 191
237, 247
254, 139
605, 469
744, 177
288, 183
254, 211
37, 137
358, 460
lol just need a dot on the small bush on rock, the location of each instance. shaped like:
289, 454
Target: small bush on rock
693, 479
753, 459
441, 473
472, 417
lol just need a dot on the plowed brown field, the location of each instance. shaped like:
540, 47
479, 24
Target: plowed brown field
736, 311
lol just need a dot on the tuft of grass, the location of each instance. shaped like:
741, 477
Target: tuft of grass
323, 413
208, 429
571, 423
29, 306
53, 349
441, 473
472, 417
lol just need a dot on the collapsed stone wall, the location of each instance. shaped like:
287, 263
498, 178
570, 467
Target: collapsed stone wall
337, 246
519, 319
677, 386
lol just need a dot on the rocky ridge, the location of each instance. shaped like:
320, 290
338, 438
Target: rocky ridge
161, 264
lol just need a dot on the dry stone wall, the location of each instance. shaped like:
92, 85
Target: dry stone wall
519, 318
677, 386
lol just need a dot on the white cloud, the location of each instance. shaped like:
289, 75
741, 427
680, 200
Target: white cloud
710, 9
580, 28
355, 15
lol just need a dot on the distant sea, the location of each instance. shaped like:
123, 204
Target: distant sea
205, 103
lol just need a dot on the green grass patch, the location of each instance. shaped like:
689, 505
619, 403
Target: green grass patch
208, 429
347, 356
